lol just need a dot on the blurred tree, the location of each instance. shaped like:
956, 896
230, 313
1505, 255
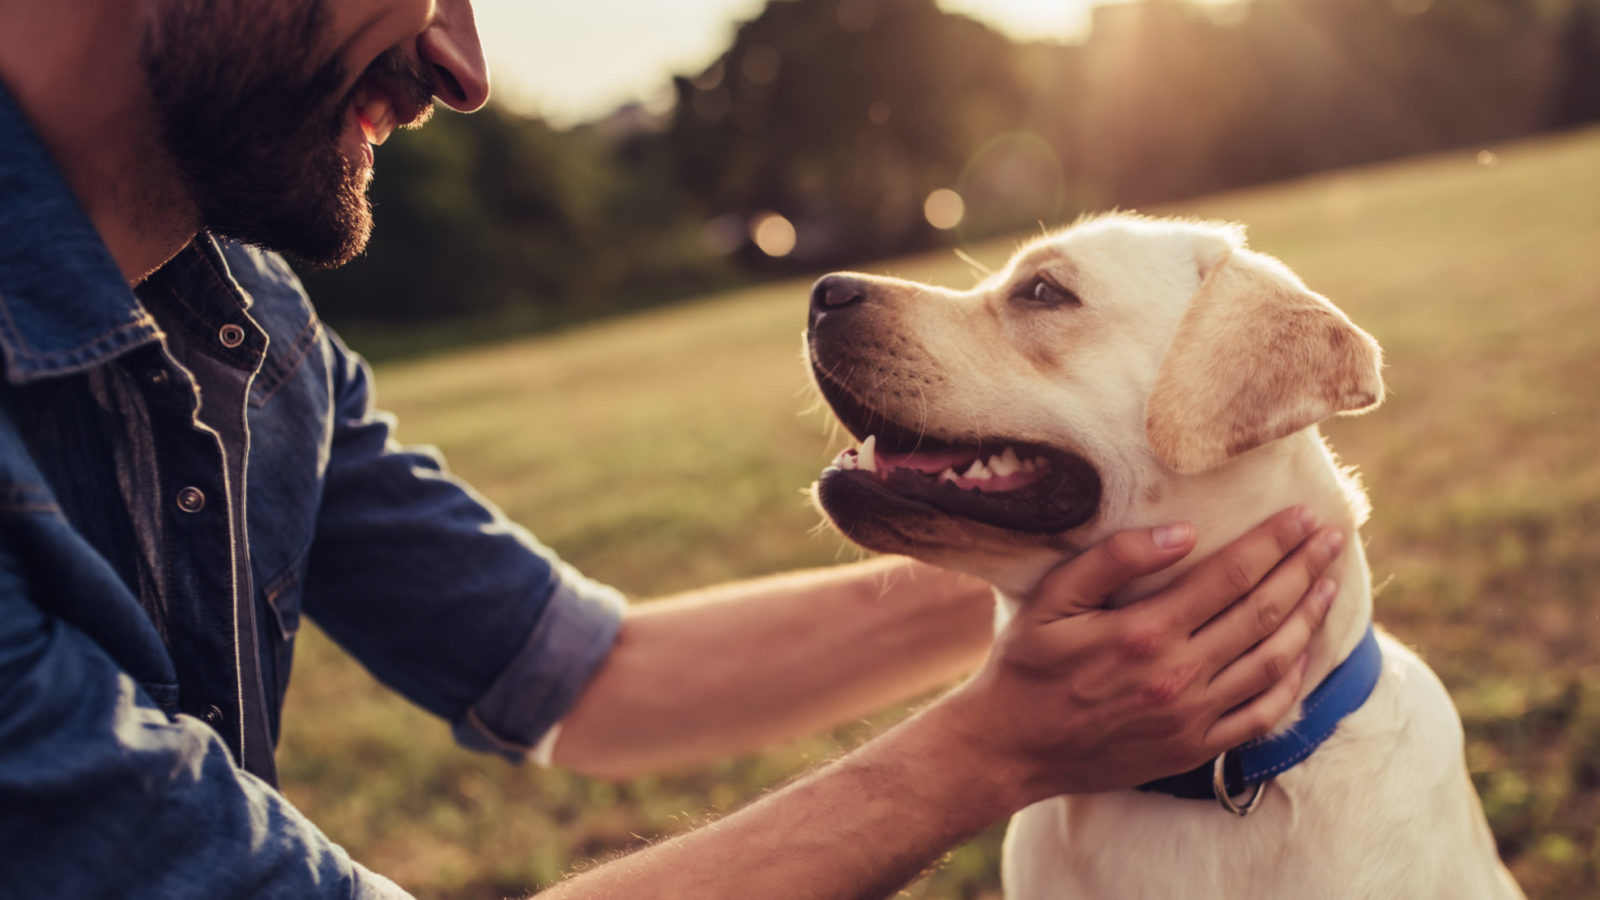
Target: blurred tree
1578, 100
845, 115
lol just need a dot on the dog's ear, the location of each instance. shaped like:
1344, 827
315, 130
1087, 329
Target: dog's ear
1256, 357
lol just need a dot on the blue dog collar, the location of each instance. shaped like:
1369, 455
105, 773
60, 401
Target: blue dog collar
1252, 765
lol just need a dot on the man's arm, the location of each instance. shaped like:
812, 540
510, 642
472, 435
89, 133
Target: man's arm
1066, 703
730, 669
103, 794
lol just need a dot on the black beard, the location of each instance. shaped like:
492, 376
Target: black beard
255, 135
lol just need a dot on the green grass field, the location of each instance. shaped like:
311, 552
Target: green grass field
670, 449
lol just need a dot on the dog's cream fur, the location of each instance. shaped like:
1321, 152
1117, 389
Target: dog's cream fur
1191, 377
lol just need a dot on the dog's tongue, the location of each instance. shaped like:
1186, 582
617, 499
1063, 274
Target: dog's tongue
1005, 471
931, 462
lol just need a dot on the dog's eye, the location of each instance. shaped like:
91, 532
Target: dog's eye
1045, 292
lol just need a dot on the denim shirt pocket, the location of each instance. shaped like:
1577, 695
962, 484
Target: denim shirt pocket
281, 597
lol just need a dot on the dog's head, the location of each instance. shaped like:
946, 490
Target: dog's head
1007, 426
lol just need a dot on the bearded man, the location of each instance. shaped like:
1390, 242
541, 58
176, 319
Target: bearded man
190, 460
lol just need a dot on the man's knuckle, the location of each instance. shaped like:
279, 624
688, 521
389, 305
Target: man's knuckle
1269, 613
1167, 688
1276, 666
1238, 573
1288, 534
1141, 641
1159, 695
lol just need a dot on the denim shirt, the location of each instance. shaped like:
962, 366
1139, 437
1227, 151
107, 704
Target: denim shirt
185, 471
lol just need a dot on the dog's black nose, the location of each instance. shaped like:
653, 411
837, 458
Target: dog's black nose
834, 291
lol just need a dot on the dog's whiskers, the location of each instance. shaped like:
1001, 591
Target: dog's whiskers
979, 270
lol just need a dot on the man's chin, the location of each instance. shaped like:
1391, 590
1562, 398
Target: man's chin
316, 236
335, 249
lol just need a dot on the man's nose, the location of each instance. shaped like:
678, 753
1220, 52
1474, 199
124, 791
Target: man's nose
451, 51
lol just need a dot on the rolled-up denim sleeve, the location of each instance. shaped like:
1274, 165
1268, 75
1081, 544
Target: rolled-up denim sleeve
104, 795
441, 596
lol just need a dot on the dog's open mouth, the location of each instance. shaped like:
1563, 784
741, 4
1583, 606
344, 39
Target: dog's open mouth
1010, 484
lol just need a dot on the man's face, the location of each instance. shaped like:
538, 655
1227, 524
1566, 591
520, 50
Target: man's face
269, 110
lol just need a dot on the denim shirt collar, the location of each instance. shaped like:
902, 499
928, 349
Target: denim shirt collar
64, 304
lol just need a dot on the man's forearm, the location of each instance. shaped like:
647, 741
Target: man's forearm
1117, 717
861, 827
735, 668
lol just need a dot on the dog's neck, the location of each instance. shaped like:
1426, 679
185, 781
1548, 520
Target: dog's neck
1227, 501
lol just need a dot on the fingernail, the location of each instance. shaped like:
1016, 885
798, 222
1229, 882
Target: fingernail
1326, 591
1168, 537
1307, 518
1334, 541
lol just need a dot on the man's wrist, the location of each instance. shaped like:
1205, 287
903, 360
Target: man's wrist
994, 781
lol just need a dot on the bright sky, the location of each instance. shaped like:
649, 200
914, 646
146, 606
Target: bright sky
579, 59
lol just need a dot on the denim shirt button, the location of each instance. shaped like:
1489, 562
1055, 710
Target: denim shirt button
212, 716
160, 378
231, 336
191, 500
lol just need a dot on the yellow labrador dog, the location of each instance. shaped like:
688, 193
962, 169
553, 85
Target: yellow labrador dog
1125, 373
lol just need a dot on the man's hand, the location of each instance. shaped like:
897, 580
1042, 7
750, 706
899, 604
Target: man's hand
1078, 698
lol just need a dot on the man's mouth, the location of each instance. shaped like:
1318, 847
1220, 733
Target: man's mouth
392, 93
1002, 482
374, 113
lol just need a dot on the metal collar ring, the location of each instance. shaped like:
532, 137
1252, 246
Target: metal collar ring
1219, 787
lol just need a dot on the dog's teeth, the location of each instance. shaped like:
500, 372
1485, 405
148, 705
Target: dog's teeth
948, 475
978, 471
1006, 463
1029, 465
846, 461
868, 453
1040, 463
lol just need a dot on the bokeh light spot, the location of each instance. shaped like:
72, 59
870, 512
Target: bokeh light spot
1488, 158
711, 78
762, 63
945, 209
1015, 180
774, 235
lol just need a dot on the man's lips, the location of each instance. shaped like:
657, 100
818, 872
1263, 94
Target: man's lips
381, 103
375, 113
394, 92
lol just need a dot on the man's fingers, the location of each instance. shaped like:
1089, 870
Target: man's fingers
1274, 658
1084, 583
1253, 619
1257, 717
1235, 570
